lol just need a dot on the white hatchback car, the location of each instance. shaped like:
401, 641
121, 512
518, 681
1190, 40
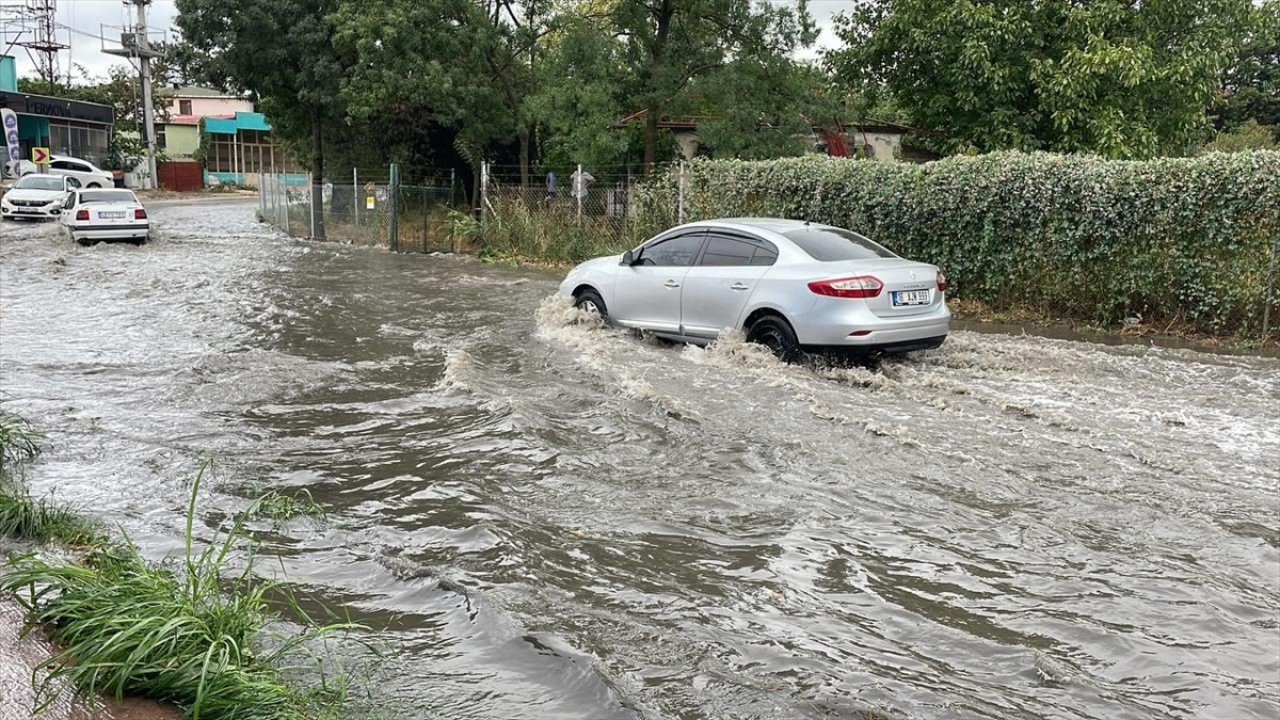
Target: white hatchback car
37, 197
787, 284
90, 216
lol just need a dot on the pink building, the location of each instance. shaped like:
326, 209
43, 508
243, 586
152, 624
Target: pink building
201, 102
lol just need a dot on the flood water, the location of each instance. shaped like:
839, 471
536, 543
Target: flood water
548, 519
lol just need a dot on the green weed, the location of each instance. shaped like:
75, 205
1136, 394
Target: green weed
23, 517
19, 443
193, 635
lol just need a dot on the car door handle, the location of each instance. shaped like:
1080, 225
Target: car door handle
739, 286
672, 284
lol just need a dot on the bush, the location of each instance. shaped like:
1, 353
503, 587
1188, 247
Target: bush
1248, 135
1173, 239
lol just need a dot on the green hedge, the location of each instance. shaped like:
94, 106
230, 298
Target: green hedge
1174, 239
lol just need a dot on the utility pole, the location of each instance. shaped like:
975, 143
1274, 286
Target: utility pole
148, 112
135, 44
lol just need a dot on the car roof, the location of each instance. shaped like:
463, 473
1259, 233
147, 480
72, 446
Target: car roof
777, 225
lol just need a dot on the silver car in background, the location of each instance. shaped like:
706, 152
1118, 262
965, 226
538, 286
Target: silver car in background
790, 285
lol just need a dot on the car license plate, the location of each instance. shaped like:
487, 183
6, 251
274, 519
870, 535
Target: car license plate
910, 297
111, 215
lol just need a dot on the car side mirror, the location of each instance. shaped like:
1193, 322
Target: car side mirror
628, 259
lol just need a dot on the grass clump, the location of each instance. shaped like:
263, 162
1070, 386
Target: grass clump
19, 443
193, 635
23, 517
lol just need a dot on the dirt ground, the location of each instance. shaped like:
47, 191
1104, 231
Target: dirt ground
19, 656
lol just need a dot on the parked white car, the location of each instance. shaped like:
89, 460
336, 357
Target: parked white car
89, 175
90, 216
790, 285
37, 197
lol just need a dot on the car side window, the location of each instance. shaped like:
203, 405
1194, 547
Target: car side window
678, 251
723, 251
764, 256
60, 165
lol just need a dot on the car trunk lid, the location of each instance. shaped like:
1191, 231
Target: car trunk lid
114, 213
910, 288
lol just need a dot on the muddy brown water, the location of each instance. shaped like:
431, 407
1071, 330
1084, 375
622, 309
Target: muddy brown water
553, 520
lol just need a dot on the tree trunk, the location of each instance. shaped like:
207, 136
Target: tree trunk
317, 172
651, 138
524, 156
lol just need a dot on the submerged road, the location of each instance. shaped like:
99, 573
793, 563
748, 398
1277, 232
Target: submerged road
554, 520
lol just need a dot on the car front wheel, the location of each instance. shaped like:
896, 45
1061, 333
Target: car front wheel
776, 334
590, 301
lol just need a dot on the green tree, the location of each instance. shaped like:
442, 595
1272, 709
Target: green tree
283, 52
578, 95
1111, 77
1250, 88
181, 65
667, 45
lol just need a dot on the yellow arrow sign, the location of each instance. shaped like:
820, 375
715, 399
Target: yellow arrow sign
40, 156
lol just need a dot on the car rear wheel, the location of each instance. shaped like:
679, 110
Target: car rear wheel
776, 334
590, 301
93, 186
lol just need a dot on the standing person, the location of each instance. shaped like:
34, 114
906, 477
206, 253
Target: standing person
551, 187
580, 179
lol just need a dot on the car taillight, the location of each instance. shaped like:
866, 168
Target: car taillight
942, 282
139, 214
863, 286
82, 214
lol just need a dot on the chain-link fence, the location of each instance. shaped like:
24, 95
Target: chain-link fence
365, 207
549, 213
560, 213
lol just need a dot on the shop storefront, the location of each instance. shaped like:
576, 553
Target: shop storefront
66, 127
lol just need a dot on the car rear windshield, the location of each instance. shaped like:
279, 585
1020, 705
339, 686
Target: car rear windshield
829, 244
39, 182
92, 196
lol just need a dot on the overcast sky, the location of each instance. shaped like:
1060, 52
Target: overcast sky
88, 16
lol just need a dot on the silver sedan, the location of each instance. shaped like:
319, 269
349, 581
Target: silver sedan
790, 285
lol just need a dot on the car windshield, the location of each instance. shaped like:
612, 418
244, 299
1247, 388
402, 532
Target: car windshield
829, 244
39, 182
100, 196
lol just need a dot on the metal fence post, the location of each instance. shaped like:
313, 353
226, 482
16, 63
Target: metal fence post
425, 213
484, 187
311, 201
680, 195
1271, 286
285, 192
579, 187
394, 192
355, 195
452, 188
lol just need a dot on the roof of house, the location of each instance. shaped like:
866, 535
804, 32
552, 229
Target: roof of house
197, 91
225, 124
194, 119
690, 123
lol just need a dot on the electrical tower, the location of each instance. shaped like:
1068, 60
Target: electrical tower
32, 24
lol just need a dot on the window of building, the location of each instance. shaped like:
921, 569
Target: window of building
184, 107
160, 137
